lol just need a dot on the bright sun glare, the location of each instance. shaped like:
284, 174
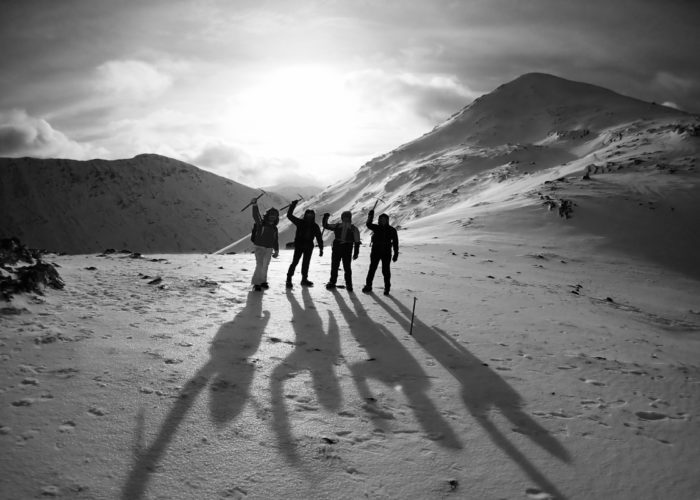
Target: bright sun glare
295, 110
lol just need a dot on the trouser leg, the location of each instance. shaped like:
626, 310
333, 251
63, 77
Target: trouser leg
306, 261
347, 265
295, 261
262, 261
386, 270
373, 263
335, 263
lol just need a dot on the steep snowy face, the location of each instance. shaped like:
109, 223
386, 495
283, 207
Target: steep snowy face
529, 109
505, 147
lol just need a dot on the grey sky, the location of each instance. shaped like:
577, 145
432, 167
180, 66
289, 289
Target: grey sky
309, 89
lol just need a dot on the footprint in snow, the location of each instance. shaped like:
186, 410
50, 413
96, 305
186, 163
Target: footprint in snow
592, 382
651, 415
67, 426
98, 412
537, 494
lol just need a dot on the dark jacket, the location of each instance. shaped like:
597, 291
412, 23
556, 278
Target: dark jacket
352, 236
267, 233
306, 232
384, 238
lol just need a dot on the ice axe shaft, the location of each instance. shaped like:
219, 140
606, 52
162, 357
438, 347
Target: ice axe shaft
301, 198
413, 313
256, 199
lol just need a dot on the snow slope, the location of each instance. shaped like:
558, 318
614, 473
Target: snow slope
533, 371
145, 204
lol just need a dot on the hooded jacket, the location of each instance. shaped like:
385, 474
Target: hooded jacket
384, 238
267, 232
307, 230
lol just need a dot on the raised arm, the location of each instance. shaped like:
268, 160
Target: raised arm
256, 211
370, 219
325, 222
295, 220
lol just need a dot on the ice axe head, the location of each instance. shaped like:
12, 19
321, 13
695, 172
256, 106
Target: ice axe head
376, 202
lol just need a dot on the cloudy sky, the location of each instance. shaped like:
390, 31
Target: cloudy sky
306, 91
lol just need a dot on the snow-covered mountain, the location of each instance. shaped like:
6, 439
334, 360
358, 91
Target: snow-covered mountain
148, 203
523, 151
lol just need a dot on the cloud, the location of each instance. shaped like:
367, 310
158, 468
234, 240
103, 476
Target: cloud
132, 79
237, 164
24, 135
430, 97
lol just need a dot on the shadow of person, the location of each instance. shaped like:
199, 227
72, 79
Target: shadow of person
482, 390
389, 362
231, 374
315, 352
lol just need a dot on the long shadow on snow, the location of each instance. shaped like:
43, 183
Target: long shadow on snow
230, 373
390, 363
482, 390
315, 352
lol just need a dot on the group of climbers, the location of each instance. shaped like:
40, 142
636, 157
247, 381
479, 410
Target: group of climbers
345, 248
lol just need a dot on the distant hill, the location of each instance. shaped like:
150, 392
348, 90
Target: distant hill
290, 193
148, 203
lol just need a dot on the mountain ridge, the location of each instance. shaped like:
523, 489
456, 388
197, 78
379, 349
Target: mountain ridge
532, 145
148, 203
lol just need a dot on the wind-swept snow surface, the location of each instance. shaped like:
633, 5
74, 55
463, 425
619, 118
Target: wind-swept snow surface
534, 371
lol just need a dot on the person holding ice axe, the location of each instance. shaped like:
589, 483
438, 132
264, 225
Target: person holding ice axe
384, 240
347, 238
264, 236
307, 231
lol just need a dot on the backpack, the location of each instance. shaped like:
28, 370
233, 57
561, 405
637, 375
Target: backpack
254, 232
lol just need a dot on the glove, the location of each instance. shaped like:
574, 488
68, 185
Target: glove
320, 252
254, 201
356, 255
326, 215
371, 213
275, 255
294, 203
396, 257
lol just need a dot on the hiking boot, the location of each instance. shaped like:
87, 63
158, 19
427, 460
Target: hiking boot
349, 288
265, 285
289, 284
330, 286
386, 291
306, 282
257, 288
366, 289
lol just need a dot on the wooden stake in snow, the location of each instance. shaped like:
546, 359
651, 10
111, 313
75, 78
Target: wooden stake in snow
413, 313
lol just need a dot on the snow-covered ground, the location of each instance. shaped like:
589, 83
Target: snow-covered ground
537, 368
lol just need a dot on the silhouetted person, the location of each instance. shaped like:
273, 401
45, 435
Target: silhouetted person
266, 243
347, 238
384, 240
307, 231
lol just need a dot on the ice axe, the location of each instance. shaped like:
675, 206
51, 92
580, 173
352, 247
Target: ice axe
256, 199
376, 202
301, 198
